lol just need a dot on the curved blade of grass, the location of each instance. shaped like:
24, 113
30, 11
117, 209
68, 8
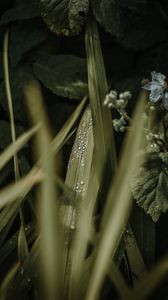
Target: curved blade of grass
118, 206
13, 148
22, 241
9, 99
51, 247
7, 282
19, 190
97, 84
22, 245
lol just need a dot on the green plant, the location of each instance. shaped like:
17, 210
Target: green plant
73, 238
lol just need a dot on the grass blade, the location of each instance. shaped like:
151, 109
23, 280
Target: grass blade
136, 263
149, 282
51, 246
97, 84
20, 189
9, 99
117, 208
7, 282
12, 149
22, 242
78, 178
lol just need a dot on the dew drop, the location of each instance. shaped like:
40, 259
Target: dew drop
72, 226
21, 271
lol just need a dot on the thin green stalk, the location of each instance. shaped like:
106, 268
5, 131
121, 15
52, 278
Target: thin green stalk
12, 123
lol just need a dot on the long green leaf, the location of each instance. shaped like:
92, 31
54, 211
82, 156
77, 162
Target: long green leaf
78, 178
97, 84
51, 246
22, 245
117, 208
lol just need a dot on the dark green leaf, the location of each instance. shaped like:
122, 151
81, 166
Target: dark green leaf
150, 184
22, 12
65, 75
138, 37
66, 17
118, 16
24, 36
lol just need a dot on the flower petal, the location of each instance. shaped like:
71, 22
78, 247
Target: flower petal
153, 85
156, 94
158, 77
165, 100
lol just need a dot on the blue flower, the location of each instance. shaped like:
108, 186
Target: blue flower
158, 88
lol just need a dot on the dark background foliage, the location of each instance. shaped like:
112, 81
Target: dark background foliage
134, 38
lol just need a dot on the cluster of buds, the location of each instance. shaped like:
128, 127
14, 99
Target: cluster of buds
117, 101
155, 142
119, 124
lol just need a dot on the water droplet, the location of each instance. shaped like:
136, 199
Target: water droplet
29, 279
27, 228
22, 271
72, 226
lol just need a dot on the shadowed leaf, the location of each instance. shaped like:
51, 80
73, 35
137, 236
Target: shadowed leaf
24, 36
150, 184
65, 17
65, 75
117, 16
21, 12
